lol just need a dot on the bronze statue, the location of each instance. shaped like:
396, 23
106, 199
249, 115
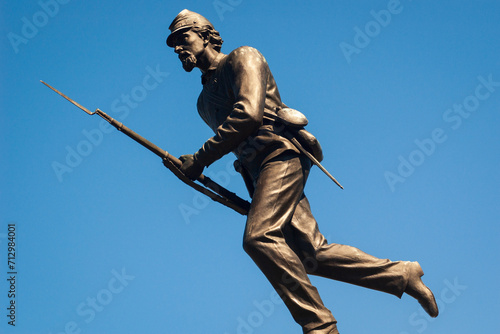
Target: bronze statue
240, 102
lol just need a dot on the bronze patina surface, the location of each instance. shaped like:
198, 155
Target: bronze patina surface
281, 235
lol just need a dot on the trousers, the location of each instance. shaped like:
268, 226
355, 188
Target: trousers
283, 239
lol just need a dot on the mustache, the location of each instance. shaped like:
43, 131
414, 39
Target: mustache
184, 54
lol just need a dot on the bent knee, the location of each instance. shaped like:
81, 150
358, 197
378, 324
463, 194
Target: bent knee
250, 244
257, 243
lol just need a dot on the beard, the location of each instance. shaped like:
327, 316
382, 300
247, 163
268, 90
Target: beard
188, 61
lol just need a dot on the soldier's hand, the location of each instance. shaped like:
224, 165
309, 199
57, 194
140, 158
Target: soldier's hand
190, 167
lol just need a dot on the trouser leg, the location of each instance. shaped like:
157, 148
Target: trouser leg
278, 190
341, 262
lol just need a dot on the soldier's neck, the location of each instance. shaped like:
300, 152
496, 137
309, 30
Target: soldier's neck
206, 59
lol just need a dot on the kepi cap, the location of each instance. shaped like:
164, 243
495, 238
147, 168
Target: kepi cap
186, 19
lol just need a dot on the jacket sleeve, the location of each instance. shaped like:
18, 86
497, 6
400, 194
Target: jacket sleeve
248, 80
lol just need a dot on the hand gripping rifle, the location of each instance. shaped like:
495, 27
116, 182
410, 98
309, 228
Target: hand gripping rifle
213, 190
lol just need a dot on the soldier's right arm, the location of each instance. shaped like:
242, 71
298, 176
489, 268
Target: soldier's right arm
248, 77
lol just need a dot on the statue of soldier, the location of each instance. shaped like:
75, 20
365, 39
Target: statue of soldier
281, 234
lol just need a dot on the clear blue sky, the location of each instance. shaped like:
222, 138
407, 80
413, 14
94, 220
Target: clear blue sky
404, 97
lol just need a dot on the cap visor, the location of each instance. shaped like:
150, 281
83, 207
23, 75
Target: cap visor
170, 38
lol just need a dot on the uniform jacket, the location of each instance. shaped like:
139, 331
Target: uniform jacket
237, 88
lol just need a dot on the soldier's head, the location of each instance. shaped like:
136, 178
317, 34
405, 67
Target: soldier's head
191, 34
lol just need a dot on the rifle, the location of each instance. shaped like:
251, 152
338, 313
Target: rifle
211, 189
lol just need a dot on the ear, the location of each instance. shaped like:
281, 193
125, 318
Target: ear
205, 36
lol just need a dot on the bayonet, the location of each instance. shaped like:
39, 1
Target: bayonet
67, 98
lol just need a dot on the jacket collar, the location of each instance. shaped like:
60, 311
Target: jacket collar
212, 68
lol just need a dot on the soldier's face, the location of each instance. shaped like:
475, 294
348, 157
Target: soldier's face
189, 46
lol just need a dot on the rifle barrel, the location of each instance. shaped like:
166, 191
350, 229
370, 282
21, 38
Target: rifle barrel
214, 191
135, 136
